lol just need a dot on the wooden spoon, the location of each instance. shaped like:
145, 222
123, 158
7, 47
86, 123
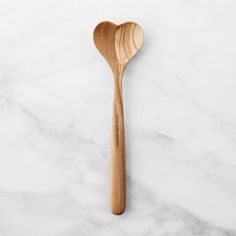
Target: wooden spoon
118, 44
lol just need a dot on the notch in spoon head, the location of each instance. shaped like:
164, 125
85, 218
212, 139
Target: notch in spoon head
118, 43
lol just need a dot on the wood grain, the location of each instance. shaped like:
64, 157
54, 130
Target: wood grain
118, 44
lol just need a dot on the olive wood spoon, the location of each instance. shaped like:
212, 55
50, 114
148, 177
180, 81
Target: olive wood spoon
118, 44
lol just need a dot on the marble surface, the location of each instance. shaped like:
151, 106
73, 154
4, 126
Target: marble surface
55, 119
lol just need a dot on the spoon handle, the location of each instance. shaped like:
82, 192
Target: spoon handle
118, 183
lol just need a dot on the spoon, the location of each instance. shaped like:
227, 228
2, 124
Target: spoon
118, 44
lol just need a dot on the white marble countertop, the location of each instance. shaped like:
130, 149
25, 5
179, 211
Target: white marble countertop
55, 119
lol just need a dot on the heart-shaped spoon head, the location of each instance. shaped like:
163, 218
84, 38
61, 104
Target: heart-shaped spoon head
118, 43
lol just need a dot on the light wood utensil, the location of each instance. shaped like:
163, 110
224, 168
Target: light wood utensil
118, 44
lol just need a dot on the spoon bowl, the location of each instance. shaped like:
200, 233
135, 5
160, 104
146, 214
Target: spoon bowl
118, 43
